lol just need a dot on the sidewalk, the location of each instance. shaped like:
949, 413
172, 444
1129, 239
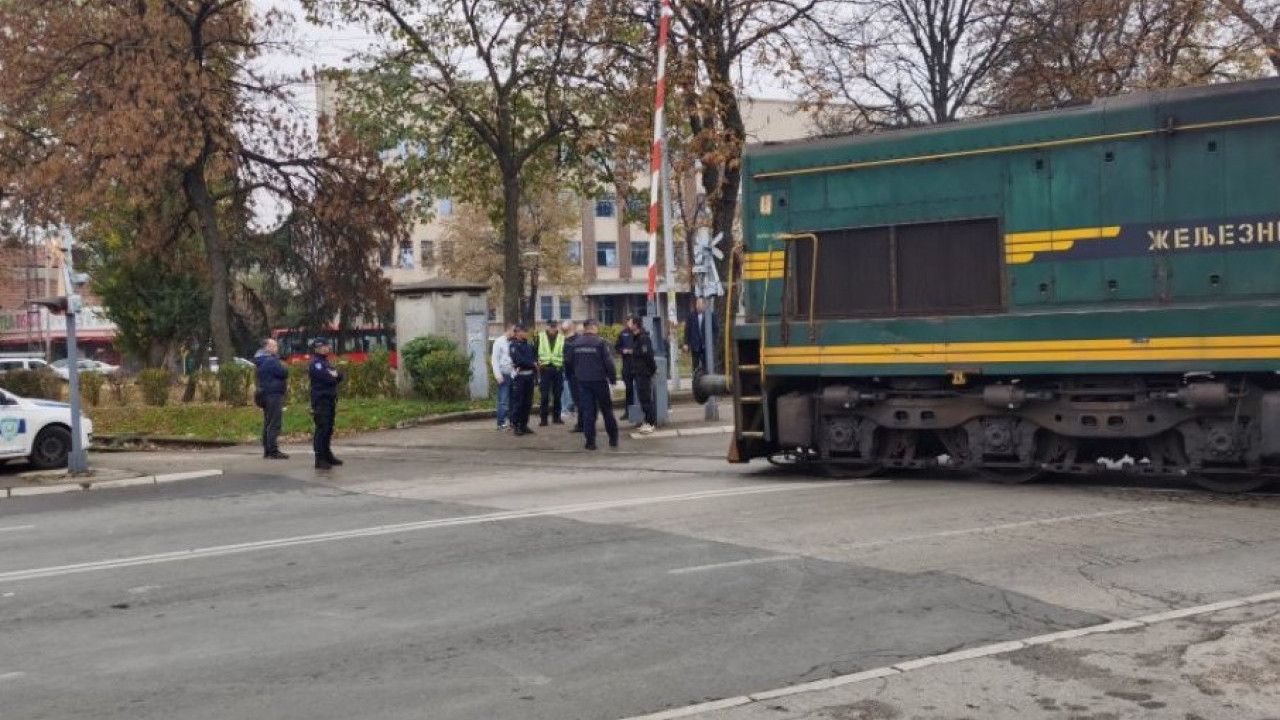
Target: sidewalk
1213, 664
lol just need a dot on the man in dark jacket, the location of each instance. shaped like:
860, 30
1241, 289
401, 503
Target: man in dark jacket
525, 359
592, 367
272, 380
644, 365
695, 334
324, 402
624, 347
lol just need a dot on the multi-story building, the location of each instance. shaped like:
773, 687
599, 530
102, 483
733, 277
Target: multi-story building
30, 271
614, 253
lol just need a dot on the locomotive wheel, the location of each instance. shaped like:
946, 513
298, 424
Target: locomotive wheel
1231, 482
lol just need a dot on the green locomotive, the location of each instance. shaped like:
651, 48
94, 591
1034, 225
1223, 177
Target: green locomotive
1061, 292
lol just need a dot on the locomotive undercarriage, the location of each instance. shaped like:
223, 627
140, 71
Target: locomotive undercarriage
1221, 432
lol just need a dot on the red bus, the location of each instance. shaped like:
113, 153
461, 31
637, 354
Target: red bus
353, 345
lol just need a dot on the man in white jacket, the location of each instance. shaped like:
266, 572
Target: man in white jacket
503, 372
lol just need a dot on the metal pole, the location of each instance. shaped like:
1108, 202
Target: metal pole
668, 249
77, 461
712, 408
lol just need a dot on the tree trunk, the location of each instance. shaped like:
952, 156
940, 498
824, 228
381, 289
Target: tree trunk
512, 274
725, 207
197, 191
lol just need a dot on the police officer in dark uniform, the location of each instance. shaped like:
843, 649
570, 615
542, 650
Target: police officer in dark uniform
324, 402
625, 346
592, 366
525, 360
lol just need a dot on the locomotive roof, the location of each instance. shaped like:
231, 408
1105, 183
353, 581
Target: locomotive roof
1118, 114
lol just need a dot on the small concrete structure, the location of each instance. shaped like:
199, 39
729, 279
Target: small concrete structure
452, 308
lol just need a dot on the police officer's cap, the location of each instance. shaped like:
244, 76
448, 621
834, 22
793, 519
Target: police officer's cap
521, 328
552, 323
317, 342
589, 322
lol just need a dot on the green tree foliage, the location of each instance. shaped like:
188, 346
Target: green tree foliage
481, 100
155, 385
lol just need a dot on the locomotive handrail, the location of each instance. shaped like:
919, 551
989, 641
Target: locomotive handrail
813, 277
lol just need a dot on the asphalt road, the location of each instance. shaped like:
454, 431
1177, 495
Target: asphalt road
457, 573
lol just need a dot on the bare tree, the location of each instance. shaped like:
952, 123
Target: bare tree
1262, 17
907, 62
1065, 52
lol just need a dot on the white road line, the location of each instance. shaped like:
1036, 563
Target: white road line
379, 530
13, 528
735, 563
11, 676
997, 528
999, 648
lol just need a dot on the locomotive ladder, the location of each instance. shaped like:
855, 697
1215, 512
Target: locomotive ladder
750, 409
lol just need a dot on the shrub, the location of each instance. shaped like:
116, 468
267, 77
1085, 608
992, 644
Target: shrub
155, 384
43, 383
234, 383
416, 349
119, 385
372, 378
298, 388
207, 386
442, 372
610, 333
91, 387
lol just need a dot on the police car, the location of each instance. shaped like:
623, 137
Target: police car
37, 430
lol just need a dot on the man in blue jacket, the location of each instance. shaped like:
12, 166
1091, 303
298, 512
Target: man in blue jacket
272, 379
324, 402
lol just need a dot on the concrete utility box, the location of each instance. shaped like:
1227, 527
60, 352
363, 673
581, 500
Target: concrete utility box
454, 309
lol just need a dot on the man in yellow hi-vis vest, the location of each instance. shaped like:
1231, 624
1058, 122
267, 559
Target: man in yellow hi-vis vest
551, 380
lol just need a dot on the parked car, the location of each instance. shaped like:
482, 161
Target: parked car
60, 367
213, 363
21, 363
38, 430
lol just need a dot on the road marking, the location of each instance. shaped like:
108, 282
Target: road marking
379, 530
735, 563
983, 651
996, 528
13, 528
11, 676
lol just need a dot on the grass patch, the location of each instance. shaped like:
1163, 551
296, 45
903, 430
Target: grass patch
215, 421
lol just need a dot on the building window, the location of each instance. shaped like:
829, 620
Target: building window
445, 207
566, 307
638, 206
575, 252
428, 253
547, 307
605, 207
640, 254
406, 254
607, 254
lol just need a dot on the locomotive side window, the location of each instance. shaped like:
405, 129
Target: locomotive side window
853, 273
945, 268
930, 268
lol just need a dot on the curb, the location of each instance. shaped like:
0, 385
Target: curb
683, 432
90, 483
